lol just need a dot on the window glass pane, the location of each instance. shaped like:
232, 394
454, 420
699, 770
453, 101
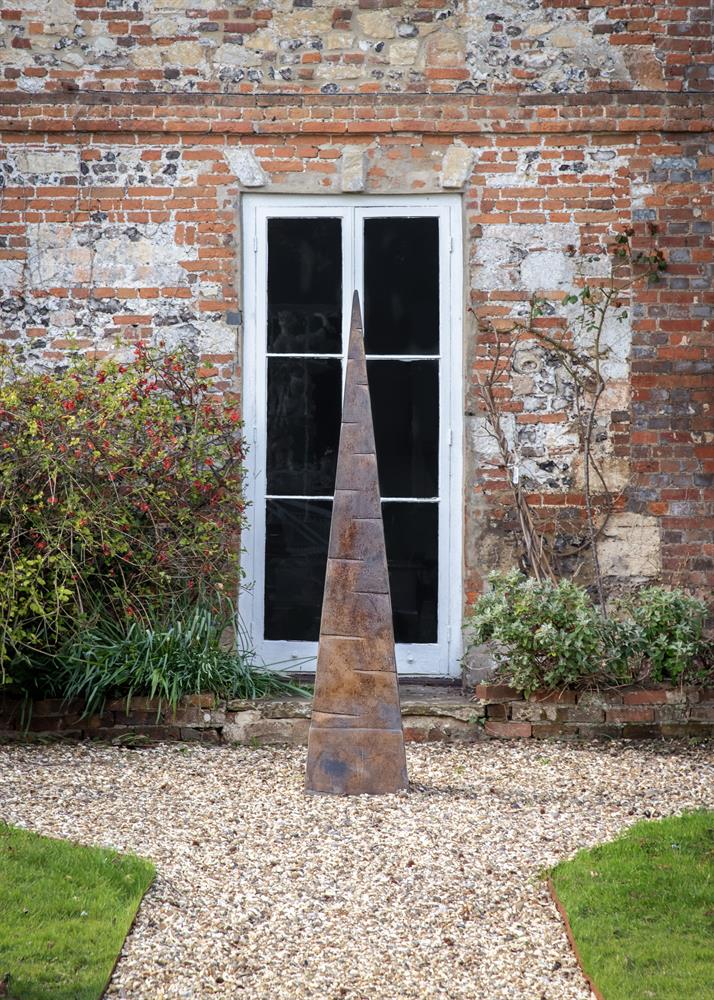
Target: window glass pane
304, 406
411, 534
405, 409
296, 538
401, 286
304, 286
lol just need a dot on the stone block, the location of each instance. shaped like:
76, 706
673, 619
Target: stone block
477, 666
563, 697
236, 722
580, 713
286, 708
675, 730
48, 707
672, 713
598, 731
553, 730
629, 546
702, 713
437, 729
456, 166
646, 696
640, 731
526, 711
680, 695
496, 692
191, 735
404, 53
244, 165
197, 718
353, 168
376, 23
275, 732
629, 714
11, 272
137, 718
46, 161
508, 730
184, 54
199, 701
139, 703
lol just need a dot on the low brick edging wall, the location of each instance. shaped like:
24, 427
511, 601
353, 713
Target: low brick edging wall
627, 712
428, 714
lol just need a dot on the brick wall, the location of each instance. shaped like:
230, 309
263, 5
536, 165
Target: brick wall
495, 711
626, 713
129, 130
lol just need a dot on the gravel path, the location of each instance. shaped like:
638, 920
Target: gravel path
269, 894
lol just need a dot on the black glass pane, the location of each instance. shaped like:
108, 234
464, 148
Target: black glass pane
411, 534
405, 409
304, 286
401, 286
296, 538
304, 406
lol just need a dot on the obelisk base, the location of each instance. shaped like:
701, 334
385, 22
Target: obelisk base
357, 761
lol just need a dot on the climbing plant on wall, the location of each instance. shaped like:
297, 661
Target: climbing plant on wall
576, 333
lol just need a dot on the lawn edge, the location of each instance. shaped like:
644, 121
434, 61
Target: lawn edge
571, 939
129, 929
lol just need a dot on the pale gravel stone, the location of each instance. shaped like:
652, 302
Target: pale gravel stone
266, 893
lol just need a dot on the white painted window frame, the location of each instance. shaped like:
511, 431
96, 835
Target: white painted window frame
439, 659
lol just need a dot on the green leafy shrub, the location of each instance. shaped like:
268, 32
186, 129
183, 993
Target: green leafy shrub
551, 635
544, 635
671, 632
163, 656
121, 488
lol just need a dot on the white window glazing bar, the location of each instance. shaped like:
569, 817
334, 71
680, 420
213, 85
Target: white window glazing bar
296, 496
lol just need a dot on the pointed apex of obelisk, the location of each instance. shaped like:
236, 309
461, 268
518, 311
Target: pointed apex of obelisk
356, 320
356, 743
355, 347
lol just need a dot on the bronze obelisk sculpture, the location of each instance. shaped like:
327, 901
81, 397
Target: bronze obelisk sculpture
356, 743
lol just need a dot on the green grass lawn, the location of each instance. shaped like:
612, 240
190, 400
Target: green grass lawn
642, 910
64, 913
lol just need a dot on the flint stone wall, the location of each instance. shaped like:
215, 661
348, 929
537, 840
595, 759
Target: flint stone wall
464, 46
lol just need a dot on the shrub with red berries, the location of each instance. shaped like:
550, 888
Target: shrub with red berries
121, 487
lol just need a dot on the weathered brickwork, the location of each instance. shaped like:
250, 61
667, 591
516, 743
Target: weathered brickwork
129, 130
439, 715
465, 46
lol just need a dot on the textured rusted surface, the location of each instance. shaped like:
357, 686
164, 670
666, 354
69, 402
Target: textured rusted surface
356, 744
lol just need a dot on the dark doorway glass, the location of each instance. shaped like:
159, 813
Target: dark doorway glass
304, 286
304, 406
401, 286
411, 535
296, 538
405, 409
304, 398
